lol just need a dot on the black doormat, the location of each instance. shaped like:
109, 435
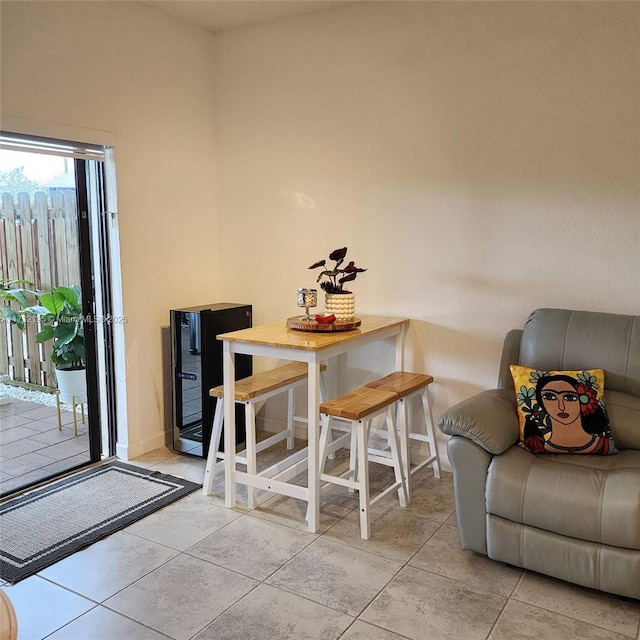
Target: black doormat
50, 523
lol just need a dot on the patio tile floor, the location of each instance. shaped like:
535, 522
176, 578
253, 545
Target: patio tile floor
32, 447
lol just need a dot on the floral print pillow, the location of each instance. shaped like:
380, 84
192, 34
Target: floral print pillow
562, 411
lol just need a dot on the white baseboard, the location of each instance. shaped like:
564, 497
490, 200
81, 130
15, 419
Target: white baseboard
129, 451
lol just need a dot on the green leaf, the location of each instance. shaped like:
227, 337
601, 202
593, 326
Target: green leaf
45, 334
72, 298
37, 310
53, 302
65, 332
16, 294
14, 317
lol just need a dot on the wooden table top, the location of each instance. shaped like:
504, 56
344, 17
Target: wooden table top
277, 334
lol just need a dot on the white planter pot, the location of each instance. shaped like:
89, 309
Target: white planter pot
342, 305
72, 384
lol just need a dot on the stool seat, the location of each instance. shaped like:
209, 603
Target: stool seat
401, 382
358, 403
265, 381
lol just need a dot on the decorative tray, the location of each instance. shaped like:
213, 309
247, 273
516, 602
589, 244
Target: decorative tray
299, 324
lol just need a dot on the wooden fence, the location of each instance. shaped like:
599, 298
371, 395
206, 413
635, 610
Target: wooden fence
38, 243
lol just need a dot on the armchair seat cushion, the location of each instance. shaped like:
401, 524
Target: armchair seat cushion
590, 498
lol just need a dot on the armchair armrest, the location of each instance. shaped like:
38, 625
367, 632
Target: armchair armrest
489, 419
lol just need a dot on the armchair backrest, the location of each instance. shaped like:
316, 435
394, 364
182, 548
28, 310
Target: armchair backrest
562, 339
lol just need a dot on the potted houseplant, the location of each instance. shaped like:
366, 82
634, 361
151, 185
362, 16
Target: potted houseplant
61, 320
13, 291
338, 300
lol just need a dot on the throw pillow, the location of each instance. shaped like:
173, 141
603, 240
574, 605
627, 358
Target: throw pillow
562, 411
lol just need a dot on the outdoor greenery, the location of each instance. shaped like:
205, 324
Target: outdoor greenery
12, 290
15, 181
60, 315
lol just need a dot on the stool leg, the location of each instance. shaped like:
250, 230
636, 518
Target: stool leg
362, 428
214, 448
402, 419
431, 434
398, 466
250, 422
291, 403
353, 457
325, 437
331, 456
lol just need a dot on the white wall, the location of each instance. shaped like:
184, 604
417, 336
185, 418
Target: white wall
481, 159
130, 70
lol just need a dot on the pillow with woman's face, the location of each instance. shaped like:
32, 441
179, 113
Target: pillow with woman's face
562, 411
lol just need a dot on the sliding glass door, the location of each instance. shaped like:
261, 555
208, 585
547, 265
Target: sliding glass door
56, 392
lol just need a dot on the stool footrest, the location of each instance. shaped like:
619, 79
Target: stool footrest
383, 493
381, 459
270, 484
260, 446
343, 482
423, 463
249, 392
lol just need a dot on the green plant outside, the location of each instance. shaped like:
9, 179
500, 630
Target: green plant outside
60, 313
12, 291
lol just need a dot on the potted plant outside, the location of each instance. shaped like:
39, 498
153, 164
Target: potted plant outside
13, 291
61, 318
338, 300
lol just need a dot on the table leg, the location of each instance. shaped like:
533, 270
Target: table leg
400, 338
228, 365
313, 441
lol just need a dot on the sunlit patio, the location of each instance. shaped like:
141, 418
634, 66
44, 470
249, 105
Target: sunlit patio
32, 447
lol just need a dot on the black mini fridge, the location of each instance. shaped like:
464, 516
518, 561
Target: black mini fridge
196, 364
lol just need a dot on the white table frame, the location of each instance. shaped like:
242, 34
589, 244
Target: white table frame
391, 328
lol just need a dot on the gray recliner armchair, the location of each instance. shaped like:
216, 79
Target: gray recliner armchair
572, 516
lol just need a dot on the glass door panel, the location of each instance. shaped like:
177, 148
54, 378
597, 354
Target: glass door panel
47, 427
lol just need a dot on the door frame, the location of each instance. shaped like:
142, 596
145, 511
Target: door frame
115, 437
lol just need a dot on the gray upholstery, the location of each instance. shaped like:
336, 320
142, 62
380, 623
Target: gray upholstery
563, 339
574, 517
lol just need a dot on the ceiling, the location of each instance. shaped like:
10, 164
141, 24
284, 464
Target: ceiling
223, 15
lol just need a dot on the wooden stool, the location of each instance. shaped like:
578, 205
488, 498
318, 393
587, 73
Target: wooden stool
249, 391
359, 407
8, 620
409, 385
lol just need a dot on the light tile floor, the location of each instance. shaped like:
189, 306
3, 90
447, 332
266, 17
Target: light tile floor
198, 570
32, 447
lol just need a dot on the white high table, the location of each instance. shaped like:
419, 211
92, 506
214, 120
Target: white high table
277, 341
